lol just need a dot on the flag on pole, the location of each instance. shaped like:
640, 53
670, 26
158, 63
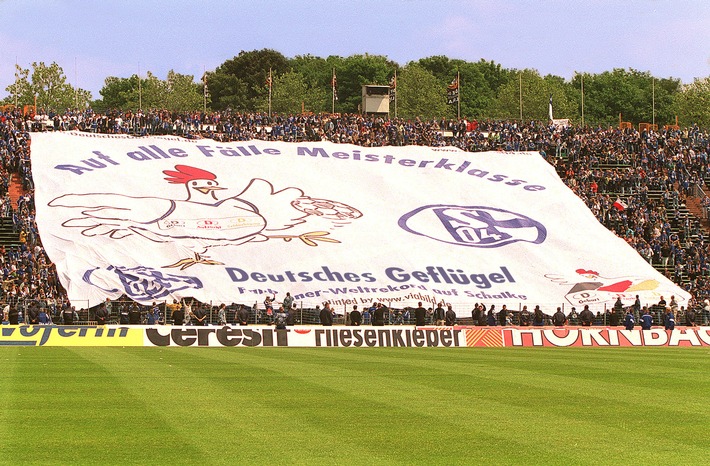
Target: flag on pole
393, 87
334, 83
620, 205
269, 81
549, 110
452, 92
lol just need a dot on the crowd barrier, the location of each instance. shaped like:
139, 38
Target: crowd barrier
343, 336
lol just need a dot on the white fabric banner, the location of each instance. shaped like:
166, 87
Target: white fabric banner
163, 218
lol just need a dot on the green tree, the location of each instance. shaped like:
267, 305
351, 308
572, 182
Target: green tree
636, 95
182, 93
533, 92
238, 83
480, 82
419, 93
692, 103
316, 71
355, 71
291, 93
48, 84
441, 67
177, 93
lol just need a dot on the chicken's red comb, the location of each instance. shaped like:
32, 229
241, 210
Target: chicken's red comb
187, 173
586, 272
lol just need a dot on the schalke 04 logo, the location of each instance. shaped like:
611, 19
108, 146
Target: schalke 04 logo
477, 226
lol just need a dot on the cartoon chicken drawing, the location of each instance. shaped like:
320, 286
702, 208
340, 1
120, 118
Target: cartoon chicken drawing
202, 219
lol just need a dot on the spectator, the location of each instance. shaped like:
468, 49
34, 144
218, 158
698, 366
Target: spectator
420, 315
538, 317
177, 313
67, 315
491, 320
288, 302
134, 314
599, 165
629, 320
525, 317
558, 318
280, 318
222, 314
450, 316
200, 315
381, 312
101, 314
355, 317
326, 315
586, 317
440, 315
646, 319
669, 319
690, 317
503, 315
243, 315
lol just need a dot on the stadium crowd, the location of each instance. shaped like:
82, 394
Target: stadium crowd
635, 182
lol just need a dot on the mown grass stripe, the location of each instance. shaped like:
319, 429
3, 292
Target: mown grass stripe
354, 405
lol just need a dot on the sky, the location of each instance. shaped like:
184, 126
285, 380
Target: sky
92, 40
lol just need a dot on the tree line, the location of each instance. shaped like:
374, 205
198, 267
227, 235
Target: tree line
305, 83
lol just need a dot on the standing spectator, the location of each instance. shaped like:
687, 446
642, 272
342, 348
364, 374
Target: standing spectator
669, 319
269, 308
109, 309
326, 315
491, 318
222, 314
170, 309
367, 315
616, 313
629, 320
503, 316
481, 315
355, 317
177, 313
44, 318
538, 317
187, 311
440, 315
558, 318
280, 318
13, 316
637, 305
67, 315
200, 315
243, 315
134, 314
288, 302
690, 317
378, 317
101, 314
450, 316
153, 317
573, 317
525, 317
586, 317
123, 314
646, 319
33, 314
420, 315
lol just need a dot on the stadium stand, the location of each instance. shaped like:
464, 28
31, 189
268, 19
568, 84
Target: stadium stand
647, 186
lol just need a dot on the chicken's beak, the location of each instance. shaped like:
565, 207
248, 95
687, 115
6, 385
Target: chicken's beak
207, 189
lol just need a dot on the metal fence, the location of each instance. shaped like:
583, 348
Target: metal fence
301, 315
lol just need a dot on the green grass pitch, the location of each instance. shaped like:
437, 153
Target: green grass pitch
354, 406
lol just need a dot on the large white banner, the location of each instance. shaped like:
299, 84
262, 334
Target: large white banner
164, 218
